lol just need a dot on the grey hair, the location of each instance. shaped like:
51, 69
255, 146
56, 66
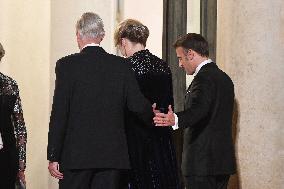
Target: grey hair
90, 25
2, 51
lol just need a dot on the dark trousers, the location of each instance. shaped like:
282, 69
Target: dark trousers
8, 169
92, 179
207, 182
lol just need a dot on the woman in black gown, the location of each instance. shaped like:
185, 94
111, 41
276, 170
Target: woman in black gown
151, 150
13, 133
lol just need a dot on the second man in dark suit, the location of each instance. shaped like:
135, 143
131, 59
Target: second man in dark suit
86, 133
208, 157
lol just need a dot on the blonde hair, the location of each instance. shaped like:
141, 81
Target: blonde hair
133, 30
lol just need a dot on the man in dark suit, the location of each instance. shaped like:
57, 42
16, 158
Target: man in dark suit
86, 133
208, 157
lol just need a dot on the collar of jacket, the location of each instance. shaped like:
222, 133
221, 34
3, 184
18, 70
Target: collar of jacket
93, 49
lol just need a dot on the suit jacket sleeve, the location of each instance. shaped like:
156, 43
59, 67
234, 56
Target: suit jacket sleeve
135, 100
59, 114
198, 106
165, 97
168, 95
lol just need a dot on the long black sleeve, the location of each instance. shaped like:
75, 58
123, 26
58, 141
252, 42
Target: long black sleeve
59, 114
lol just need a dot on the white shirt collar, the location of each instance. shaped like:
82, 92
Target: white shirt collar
91, 45
200, 66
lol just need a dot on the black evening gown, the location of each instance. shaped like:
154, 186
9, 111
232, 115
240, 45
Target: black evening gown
151, 150
13, 132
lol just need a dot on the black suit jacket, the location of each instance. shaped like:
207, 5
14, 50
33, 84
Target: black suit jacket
208, 147
93, 90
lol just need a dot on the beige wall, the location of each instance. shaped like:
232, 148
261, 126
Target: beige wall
250, 49
150, 13
193, 24
25, 34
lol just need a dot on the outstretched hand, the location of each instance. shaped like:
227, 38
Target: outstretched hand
163, 120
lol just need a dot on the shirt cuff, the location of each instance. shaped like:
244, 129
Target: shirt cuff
1, 142
175, 127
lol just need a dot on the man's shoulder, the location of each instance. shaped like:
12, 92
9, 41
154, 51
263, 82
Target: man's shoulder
116, 61
211, 69
214, 75
111, 62
70, 57
115, 58
79, 56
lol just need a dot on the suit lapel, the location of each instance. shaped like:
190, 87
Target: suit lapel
93, 50
189, 89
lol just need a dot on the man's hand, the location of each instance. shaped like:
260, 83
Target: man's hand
53, 168
154, 106
163, 120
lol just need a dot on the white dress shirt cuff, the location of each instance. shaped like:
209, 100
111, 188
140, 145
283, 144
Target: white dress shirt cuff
1, 142
175, 127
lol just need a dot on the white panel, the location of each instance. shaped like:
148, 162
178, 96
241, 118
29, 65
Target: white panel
150, 13
193, 24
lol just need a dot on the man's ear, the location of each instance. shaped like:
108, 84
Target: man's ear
79, 40
103, 36
78, 37
190, 54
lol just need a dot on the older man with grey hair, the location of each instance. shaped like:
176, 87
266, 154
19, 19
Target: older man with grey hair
86, 133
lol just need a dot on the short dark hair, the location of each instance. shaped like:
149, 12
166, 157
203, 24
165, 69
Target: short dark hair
133, 30
195, 42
